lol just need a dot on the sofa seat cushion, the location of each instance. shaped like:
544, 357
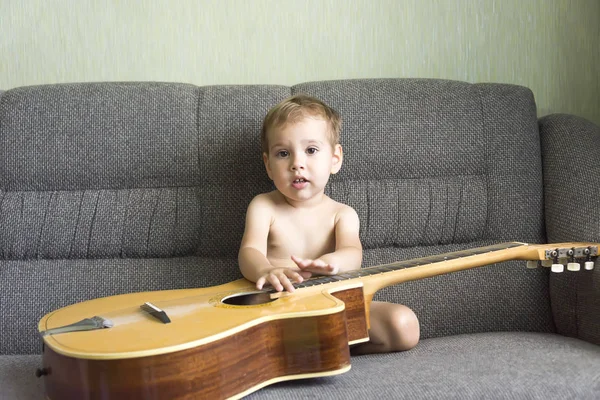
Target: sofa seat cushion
502, 365
474, 366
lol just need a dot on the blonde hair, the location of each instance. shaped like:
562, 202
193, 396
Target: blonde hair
295, 109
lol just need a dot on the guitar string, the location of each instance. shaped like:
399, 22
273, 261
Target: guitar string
401, 265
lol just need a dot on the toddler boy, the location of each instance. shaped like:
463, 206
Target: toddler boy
296, 230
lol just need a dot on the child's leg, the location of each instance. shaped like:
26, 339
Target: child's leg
394, 327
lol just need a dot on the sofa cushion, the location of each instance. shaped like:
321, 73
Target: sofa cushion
128, 169
427, 162
477, 366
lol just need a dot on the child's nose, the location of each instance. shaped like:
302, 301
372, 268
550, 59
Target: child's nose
297, 162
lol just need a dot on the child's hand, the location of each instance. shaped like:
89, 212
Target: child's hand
281, 278
317, 266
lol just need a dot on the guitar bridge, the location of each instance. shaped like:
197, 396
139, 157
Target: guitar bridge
156, 312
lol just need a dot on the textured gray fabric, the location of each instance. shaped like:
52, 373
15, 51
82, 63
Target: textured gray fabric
129, 169
98, 135
480, 366
499, 297
17, 377
145, 170
33, 288
231, 166
429, 131
407, 212
571, 150
100, 223
408, 143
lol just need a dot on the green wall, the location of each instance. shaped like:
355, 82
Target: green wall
551, 46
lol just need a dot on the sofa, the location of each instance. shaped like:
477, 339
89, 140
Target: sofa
119, 187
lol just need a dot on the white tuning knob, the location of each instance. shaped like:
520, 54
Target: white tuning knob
589, 265
573, 266
558, 268
546, 263
532, 264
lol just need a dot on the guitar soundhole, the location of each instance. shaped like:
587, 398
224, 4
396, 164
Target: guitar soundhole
248, 299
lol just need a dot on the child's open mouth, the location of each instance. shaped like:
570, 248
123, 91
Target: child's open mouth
299, 183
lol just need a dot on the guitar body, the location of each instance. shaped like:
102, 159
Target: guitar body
210, 349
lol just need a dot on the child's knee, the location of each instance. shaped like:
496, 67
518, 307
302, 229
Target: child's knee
405, 327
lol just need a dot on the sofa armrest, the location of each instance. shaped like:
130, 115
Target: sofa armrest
571, 168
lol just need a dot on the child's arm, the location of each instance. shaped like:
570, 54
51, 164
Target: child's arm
348, 249
252, 257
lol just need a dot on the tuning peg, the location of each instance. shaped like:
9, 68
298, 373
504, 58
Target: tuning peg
558, 268
589, 265
557, 265
547, 263
531, 264
573, 266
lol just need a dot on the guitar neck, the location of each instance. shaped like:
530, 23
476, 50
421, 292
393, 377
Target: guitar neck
381, 276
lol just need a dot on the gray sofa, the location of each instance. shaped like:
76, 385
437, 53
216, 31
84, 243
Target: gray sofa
109, 188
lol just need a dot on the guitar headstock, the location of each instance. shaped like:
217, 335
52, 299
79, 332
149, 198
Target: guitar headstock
556, 256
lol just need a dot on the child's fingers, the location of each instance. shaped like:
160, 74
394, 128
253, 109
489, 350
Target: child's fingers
294, 276
333, 269
282, 279
274, 281
260, 282
320, 267
284, 283
302, 263
305, 274
307, 264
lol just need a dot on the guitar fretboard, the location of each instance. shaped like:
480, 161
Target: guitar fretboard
386, 268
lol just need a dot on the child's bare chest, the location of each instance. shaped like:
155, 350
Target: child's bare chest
307, 236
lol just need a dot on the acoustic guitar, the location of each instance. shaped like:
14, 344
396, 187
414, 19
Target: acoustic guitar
230, 340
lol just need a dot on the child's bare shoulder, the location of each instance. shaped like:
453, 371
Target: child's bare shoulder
343, 211
264, 202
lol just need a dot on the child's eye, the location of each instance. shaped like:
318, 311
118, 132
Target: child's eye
312, 150
282, 153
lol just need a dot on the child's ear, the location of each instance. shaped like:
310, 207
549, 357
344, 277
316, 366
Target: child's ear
338, 157
267, 165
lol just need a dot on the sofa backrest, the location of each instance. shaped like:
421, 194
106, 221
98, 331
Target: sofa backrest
103, 170
107, 170
432, 162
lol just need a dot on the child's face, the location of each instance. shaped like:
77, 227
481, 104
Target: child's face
301, 158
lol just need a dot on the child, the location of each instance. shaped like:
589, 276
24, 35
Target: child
296, 230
